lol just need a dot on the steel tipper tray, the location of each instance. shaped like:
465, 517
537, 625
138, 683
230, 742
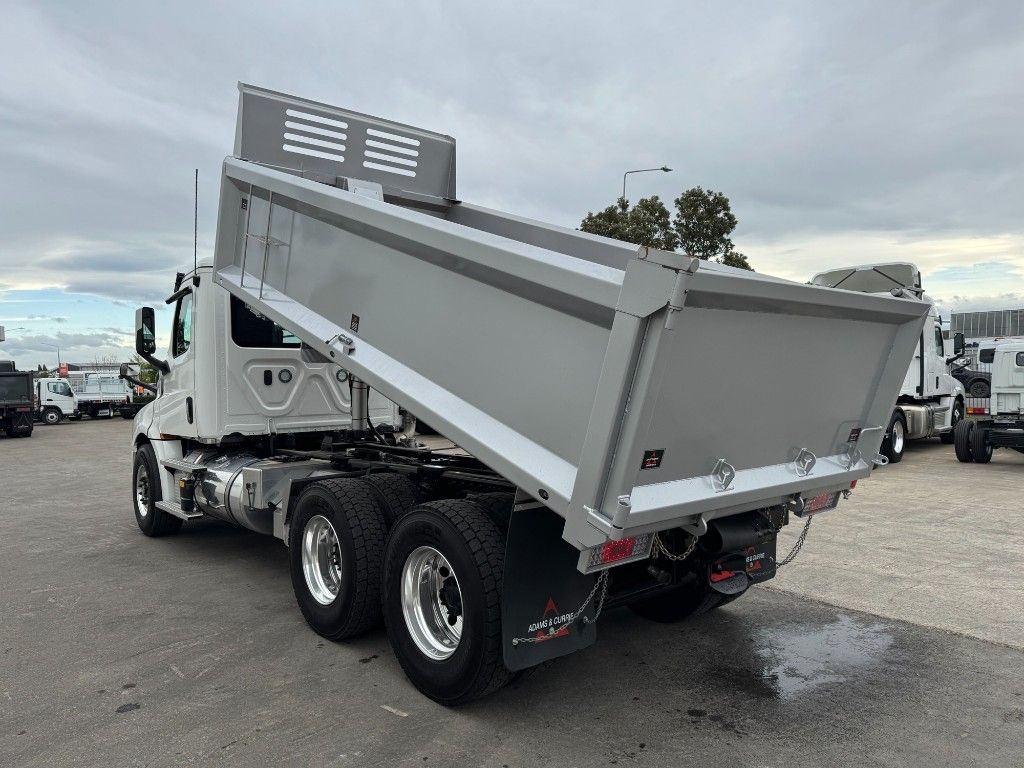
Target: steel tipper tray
629, 390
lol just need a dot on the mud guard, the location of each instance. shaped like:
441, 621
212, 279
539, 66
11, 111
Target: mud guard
542, 589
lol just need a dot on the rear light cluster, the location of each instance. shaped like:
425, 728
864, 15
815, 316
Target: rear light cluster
819, 503
617, 552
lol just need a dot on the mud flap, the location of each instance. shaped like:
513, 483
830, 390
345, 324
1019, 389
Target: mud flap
542, 589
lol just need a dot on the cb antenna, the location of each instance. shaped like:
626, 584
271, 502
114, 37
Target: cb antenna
195, 232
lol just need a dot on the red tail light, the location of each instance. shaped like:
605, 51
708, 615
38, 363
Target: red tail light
614, 551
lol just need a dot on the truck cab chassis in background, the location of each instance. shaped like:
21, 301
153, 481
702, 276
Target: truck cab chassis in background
624, 433
975, 440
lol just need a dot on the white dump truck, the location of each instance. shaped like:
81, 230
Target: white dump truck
351, 289
931, 399
1004, 428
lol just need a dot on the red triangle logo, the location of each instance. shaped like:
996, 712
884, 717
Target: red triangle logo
550, 607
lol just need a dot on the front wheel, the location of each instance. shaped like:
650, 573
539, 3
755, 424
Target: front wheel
962, 441
51, 416
442, 600
146, 493
895, 439
955, 418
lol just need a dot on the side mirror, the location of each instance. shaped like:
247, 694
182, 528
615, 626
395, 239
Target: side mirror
123, 371
145, 331
958, 343
145, 337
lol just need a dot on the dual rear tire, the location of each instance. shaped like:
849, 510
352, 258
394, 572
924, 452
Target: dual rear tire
971, 444
435, 580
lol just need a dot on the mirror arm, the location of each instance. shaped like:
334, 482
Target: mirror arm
136, 383
181, 292
160, 365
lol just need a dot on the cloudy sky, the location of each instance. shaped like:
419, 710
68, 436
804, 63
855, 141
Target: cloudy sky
842, 133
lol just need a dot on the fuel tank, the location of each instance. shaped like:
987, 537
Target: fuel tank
221, 491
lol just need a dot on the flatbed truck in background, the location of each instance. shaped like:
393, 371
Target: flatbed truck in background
352, 291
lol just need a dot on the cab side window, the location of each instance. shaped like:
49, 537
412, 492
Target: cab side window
938, 342
182, 338
60, 388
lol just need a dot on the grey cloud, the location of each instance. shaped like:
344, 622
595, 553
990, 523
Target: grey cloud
812, 117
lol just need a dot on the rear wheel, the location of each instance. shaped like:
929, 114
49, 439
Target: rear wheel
51, 416
396, 494
981, 448
979, 389
692, 597
955, 418
442, 600
146, 493
962, 441
895, 439
335, 547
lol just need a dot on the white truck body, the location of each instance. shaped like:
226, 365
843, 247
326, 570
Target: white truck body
350, 286
931, 399
55, 400
1004, 427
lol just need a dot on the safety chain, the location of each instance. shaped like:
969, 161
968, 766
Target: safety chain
602, 584
796, 547
661, 550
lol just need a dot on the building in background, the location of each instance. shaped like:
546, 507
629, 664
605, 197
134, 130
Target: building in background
996, 323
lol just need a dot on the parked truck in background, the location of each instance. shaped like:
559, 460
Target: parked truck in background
55, 401
99, 393
1004, 427
931, 399
350, 288
16, 401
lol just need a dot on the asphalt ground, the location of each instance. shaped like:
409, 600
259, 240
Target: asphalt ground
893, 640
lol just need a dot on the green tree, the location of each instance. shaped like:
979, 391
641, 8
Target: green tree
646, 223
701, 227
147, 373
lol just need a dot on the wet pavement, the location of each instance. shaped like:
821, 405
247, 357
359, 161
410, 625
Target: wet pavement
120, 650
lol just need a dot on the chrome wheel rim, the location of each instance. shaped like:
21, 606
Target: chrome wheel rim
432, 603
51, 417
897, 436
321, 560
142, 490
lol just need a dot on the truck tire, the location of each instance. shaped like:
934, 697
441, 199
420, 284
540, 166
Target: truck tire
981, 448
692, 597
396, 494
335, 548
895, 439
979, 389
962, 441
146, 493
51, 416
955, 418
442, 600
497, 504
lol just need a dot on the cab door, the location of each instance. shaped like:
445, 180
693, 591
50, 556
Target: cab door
58, 394
934, 362
175, 407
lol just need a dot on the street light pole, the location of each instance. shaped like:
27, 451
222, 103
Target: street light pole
663, 169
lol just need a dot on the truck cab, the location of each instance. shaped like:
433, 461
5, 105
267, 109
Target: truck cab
975, 440
231, 376
55, 401
931, 399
